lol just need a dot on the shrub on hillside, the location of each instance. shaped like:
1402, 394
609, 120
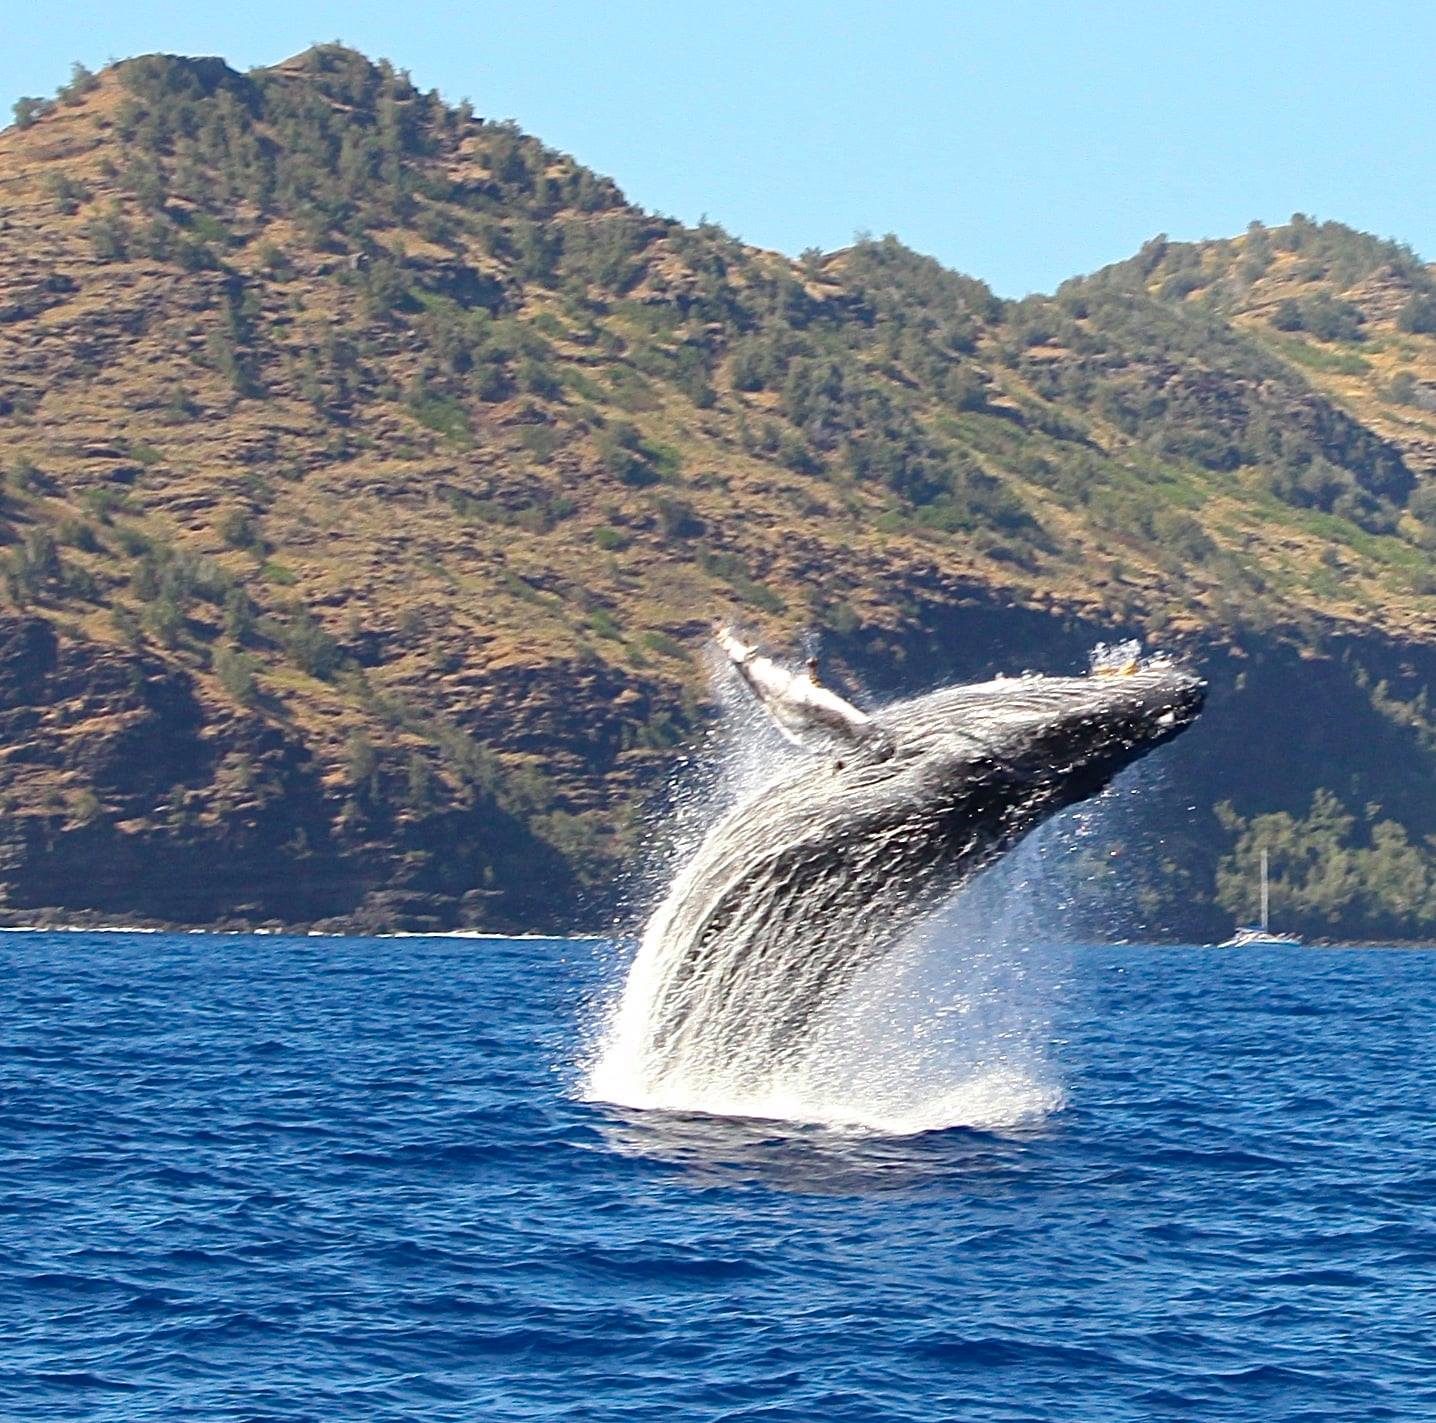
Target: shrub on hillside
82, 81
309, 647
623, 453
29, 110
235, 671
1322, 316
1418, 316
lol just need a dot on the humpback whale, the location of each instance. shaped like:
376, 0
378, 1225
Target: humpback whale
817, 873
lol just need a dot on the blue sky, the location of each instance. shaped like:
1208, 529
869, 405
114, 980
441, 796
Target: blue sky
1017, 141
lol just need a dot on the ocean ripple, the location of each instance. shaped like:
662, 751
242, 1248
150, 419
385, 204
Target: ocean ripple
355, 1179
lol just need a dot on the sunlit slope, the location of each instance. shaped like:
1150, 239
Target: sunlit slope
415, 462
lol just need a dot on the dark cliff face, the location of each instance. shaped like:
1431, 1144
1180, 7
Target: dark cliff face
130, 799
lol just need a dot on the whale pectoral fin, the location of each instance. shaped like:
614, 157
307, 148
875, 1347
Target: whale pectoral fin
805, 711
737, 650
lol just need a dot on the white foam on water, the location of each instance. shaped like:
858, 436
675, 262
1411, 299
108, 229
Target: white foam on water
739, 752
950, 1029
83, 929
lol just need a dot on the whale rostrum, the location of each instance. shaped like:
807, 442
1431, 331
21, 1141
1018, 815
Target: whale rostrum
818, 872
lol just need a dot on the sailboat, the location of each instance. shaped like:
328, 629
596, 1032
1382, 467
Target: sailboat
1249, 937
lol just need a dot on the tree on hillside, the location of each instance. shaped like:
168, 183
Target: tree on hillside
82, 81
1323, 316
28, 110
1419, 314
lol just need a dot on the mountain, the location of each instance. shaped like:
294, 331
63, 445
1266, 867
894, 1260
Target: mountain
374, 473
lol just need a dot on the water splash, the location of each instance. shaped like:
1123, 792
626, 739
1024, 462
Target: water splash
952, 1028
949, 1029
949, 1026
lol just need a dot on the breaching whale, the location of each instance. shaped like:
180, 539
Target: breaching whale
818, 872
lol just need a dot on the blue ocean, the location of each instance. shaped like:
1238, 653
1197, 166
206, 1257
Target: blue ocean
267, 1178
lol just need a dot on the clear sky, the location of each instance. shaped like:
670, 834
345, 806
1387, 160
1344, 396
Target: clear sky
1018, 141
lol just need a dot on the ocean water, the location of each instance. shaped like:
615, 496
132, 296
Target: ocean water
356, 1179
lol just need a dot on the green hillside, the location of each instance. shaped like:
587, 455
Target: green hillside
373, 475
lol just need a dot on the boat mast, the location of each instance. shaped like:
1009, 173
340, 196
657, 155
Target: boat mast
1265, 894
